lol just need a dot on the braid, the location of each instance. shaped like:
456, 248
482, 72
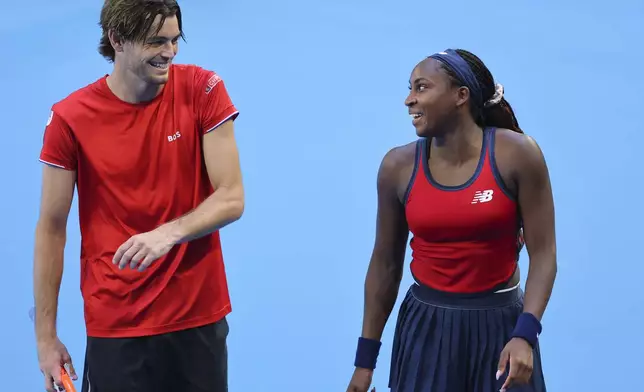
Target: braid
500, 115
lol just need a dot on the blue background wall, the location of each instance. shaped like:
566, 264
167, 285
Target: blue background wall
320, 86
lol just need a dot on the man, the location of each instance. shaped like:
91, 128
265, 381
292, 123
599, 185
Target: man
152, 153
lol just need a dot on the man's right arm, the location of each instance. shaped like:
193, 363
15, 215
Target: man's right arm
56, 198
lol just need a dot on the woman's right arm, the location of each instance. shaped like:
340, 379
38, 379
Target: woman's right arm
386, 266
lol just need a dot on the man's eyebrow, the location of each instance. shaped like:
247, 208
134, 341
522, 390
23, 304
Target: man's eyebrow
162, 38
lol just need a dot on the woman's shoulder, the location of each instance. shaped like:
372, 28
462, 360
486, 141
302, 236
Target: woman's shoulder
517, 152
397, 166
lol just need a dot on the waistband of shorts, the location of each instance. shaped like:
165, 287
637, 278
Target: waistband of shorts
444, 299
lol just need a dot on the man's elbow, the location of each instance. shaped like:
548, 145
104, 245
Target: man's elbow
51, 225
236, 209
235, 204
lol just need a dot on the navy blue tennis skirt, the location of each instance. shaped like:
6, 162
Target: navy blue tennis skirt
446, 343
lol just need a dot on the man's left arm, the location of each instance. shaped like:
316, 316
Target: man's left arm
537, 211
226, 204
215, 113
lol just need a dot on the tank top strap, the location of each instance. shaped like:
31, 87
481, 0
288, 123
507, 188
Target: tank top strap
491, 164
488, 146
418, 162
420, 145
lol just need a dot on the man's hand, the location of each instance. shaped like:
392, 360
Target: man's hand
52, 357
143, 249
519, 354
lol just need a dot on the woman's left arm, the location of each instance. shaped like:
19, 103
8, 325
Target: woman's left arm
537, 211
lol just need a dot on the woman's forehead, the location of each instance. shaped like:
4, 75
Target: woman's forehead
429, 68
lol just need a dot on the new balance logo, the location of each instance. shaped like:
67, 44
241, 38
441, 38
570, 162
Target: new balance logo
483, 196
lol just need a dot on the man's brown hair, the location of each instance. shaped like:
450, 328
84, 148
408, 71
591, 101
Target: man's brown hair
132, 20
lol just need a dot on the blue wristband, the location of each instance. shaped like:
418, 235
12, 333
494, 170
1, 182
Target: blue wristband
367, 353
527, 328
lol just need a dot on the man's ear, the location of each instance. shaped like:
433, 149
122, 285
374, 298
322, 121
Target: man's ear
115, 41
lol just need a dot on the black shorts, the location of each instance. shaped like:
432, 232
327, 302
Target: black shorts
192, 360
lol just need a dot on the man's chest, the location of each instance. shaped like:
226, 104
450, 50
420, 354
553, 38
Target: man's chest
122, 145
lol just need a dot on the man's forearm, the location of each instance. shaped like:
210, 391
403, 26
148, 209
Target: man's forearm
48, 273
539, 284
381, 290
221, 208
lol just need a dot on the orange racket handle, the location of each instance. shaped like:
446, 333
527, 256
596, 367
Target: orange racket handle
67, 381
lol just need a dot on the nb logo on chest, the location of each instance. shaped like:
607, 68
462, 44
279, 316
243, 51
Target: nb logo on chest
483, 196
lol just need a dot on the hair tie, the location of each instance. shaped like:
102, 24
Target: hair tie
496, 98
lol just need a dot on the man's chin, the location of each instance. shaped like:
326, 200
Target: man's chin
157, 79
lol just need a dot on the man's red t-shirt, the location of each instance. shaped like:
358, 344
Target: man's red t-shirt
139, 166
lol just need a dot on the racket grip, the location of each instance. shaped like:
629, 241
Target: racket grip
67, 381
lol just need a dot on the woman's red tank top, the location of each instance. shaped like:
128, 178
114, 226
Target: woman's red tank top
464, 237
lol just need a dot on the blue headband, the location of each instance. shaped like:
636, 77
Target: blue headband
463, 72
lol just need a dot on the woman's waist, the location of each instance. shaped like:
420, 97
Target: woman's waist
487, 299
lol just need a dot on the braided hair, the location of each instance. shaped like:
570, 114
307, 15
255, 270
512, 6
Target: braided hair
499, 115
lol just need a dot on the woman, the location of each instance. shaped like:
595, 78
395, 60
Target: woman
464, 190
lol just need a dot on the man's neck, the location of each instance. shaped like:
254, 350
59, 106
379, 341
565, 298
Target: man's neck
128, 87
